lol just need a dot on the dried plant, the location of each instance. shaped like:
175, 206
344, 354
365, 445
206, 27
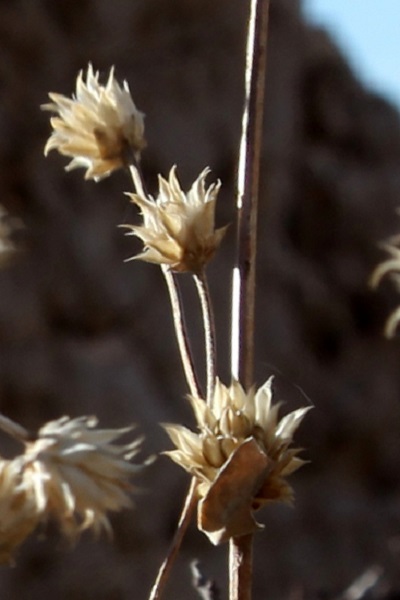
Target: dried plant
70, 471
242, 453
240, 429
98, 128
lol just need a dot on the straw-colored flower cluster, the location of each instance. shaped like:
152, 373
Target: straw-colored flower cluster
390, 266
241, 456
179, 228
100, 127
72, 473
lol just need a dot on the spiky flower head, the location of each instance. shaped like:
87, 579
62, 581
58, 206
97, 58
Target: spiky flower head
70, 471
178, 228
99, 127
391, 267
77, 473
241, 457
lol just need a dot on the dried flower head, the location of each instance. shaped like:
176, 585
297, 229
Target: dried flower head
179, 228
241, 457
390, 266
77, 474
99, 127
19, 514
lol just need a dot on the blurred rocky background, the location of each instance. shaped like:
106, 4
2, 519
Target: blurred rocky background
82, 332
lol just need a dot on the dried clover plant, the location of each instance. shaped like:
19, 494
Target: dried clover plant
241, 454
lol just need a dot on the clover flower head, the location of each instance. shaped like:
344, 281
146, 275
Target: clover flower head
241, 457
78, 473
178, 228
98, 127
391, 266
71, 471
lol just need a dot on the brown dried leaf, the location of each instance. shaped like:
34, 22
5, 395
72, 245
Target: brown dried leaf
226, 510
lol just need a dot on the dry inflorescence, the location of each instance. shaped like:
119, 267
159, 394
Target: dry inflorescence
73, 473
241, 456
100, 127
179, 228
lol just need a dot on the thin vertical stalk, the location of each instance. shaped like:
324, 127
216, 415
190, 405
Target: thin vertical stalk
243, 294
209, 332
164, 571
181, 332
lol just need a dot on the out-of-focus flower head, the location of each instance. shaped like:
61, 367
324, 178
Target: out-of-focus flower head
19, 513
390, 266
241, 457
178, 228
71, 472
100, 127
77, 473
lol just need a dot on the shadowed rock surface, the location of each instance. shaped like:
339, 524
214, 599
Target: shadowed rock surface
82, 332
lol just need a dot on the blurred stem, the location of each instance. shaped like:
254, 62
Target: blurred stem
14, 430
184, 520
176, 306
209, 332
243, 293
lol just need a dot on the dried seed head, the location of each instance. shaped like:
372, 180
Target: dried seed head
178, 228
78, 473
98, 128
241, 456
71, 472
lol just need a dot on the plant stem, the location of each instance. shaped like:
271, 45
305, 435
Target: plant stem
209, 332
176, 306
14, 430
240, 567
247, 195
181, 332
184, 520
243, 293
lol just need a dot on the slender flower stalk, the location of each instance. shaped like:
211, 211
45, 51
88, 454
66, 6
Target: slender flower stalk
184, 520
240, 562
209, 332
181, 331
